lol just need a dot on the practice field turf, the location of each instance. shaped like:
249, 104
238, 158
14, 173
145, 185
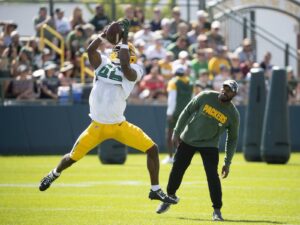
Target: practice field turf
90, 193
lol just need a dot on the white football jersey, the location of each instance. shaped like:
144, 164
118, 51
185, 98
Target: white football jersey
110, 91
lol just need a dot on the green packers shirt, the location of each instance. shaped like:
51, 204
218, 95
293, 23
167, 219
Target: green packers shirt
203, 121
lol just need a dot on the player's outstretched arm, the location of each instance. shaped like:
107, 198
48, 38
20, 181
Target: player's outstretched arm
124, 56
93, 54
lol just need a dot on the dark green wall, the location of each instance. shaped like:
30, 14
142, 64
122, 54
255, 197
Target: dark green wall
31, 130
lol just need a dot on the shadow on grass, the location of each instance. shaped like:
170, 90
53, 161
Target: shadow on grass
237, 221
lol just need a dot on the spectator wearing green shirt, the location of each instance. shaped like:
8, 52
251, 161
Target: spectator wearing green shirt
198, 129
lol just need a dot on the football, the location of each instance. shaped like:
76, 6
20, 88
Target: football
114, 33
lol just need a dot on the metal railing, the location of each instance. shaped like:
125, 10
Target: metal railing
44, 41
83, 69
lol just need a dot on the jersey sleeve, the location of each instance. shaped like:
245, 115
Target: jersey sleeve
139, 71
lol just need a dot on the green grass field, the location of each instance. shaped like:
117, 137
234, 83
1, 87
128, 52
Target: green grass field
90, 193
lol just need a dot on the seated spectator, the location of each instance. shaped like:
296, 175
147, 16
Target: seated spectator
203, 26
156, 20
165, 65
49, 83
223, 75
203, 82
180, 45
66, 74
245, 52
156, 50
176, 20
165, 32
183, 60
221, 58
153, 84
182, 31
25, 57
214, 38
139, 14
129, 14
198, 63
145, 34
100, 20
236, 71
36, 53
200, 44
22, 86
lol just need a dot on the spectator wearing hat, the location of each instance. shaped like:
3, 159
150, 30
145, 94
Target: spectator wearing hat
156, 20
50, 82
7, 28
77, 18
25, 57
165, 32
214, 38
179, 94
100, 20
198, 63
62, 24
22, 86
66, 74
181, 44
183, 60
176, 20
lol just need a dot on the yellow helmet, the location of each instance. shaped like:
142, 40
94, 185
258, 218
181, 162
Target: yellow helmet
114, 55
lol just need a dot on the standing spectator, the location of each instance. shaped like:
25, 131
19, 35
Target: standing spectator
49, 83
62, 24
199, 129
75, 41
266, 64
214, 38
219, 79
179, 94
156, 20
100, 20
77, 18
203, 83
139, 15
203, 26
8, 28
42, 19
22, 86
236, 71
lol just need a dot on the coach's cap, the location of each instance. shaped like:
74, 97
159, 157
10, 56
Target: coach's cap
232, 84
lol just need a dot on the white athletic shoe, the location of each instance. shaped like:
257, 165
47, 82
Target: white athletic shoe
167, 160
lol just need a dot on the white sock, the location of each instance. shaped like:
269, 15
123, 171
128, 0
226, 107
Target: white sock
155, 187
55, 172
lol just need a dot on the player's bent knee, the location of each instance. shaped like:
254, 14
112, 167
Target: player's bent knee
152, 150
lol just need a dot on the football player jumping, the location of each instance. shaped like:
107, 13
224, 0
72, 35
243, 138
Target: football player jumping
114, 79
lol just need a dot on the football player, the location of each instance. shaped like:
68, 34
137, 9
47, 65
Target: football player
114, 79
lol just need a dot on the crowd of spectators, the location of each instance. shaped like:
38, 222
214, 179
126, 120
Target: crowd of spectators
163, 44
